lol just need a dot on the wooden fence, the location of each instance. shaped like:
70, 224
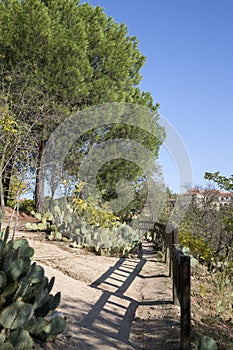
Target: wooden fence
146, 226
179, 271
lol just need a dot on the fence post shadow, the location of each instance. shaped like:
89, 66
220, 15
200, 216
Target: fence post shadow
113, 305
114, 302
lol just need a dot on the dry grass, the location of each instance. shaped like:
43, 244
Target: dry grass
212, 307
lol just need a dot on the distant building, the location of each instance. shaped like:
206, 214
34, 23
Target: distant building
218, 198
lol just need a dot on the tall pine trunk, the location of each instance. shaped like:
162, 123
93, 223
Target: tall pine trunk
39, 188
2, 202
2, 162
7, 179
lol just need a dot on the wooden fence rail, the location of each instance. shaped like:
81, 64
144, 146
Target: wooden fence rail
147, 226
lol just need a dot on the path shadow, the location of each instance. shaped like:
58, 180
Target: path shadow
154, 276
114, 312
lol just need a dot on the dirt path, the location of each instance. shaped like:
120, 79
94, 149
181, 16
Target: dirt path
109, 303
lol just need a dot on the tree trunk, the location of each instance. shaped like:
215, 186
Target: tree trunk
7, 179
39, 189
2, 202
2, 162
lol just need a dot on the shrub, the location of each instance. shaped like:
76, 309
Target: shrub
199, 248
11, 203
27, 206
91, 210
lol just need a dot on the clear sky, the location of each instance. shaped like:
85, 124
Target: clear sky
189, 72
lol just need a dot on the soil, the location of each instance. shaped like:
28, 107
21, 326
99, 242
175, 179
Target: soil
109, 303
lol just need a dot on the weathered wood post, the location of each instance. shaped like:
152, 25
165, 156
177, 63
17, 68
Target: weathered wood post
171, 238
185, 304
181, 293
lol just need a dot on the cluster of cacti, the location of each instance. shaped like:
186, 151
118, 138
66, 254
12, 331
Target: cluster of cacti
57, 223
118, 240
63, 223
44, 222
27, 309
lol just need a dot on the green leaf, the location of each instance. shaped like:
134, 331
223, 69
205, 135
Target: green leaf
2, 279
6, 346
7, 317
18, 267
16, 315
56, 326
36, 274
38, 216
21, 340
29, 252
2, 338
36, 325
20, 243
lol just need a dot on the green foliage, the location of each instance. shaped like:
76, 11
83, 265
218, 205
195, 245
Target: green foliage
27, 308
11, 203
199, 248
90, 211
206, 234
7, 121
116, 239
222, 181
60, 57
27, 206
225, 183
207, 229
15, 190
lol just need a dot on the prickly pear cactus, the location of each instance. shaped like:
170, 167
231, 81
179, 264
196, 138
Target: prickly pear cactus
27, 307
64, 224
206, 343
117, 240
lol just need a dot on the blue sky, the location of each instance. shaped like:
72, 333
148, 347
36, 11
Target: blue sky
189, 72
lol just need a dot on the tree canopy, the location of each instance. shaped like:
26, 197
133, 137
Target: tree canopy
223, 182
58, 57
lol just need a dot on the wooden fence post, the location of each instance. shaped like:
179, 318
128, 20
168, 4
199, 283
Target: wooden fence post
175, 279
185, 303
181, 293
